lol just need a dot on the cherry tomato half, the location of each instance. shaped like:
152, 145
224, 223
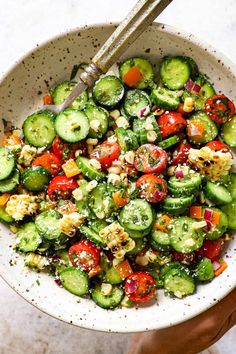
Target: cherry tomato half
180, 155
66, 151
152, 188
84, 255
140, 287
171, 123
106, 153
211, 249
217, 145
219, 108
61, 187
150, 158
49, 161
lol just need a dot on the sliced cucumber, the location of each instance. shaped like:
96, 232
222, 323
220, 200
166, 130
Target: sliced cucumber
136, 215
159, 240
97, 116
164, 98
36, 178
127, 139
178, 283
92, 235
108, 91
172, 265
7, 163
228, 132
47, 224
230, 211
167, 143
184, 237
62, 91
136, 234
217, 193
210, 132
101, 201
194, 72
39, 128
174, 72
206, 91
144, 66
9, 184
72, 125
97, 225
232, 185
75, 281
204, 270
4, 216
107, 301
88, 170
185, 186
112, 276
217, 230
177, 206
142, 133
134, 101
28, 238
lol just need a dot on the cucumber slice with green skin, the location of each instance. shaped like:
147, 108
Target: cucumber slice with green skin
4, 216
62, 91
232, 185
92, 235
167, 143
140, 243
174, 72
108, 91
217, 193
28, 238
183, 237
88, 170
98, 115
136, 234
153, 241
218, 230
164, 98
7, 162
144, 66
101, 201
63, 261
228, 132
75, 281
141, 132
176, 205
112, 276
160, 237
207, 90
127, 139
194, 72
172, 265
210, 132
178, 283
39, 128
47, 224
9, 184
36, 178
107, 301
82, 206
184, 186
134, 101
72, 125
204, 270
97, 225
137, 215
230, 211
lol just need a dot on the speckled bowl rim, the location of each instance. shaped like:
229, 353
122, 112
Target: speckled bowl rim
231, 68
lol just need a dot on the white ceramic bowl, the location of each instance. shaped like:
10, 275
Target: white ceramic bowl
21, 92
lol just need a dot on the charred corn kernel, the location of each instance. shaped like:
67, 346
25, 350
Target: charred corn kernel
69, 223
213, 164
113, 178
112, 139
92, 141
115, 114
188, 104
129, 157
95, 163
91, 185
142, 260
151, 136
95, 124
116, 170
78, 194
20, 205
70, 168
27, 155
199, 224
106, 289
151, 256
122, 122
78, 153
35, 261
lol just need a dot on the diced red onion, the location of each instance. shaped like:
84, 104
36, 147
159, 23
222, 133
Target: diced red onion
131, 286
194, 131
208, 213
143, 111
179, 174
158, 195
216, 265
196, 88
189, 85
209, 225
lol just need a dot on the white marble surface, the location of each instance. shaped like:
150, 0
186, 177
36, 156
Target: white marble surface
24, 23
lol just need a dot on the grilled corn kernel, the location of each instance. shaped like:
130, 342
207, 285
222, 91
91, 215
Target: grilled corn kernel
115, 114
95, 124
92, 141
122, 122
20, 205
106, 289
69, 223
151, 136
95, 163
188, 104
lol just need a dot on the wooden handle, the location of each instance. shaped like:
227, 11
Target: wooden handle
139, 18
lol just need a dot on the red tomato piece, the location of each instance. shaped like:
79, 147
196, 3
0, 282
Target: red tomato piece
184, 257
106, 153
84, 255
152, 188
49, 161
150, 158
180, 155
219, 108
140, 287
211, 249
171, 123
217, 145
61, 187
66, 151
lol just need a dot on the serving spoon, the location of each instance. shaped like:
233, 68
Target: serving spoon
138, 19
